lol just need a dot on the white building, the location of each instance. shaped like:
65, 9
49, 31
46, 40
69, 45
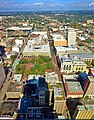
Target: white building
17, 77
15, 49
71, 37
36, 47
19, 42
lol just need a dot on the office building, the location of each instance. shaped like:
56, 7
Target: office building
14, 90
59, 40
35, 101
59, 99
69, 65
36, 48
88, 87
2, 74
73, 89
71, 37
51, 78
84, 56
8, 110
83, 112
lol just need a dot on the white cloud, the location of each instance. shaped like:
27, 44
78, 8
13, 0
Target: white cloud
91, 4
40, 3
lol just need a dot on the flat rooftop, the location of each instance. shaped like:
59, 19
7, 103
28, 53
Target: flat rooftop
60, 48
8, 108
79, 62
18, 28
39, 33
34, 76
91, 78
51, 77
70, 78
74, 87
84, 49
36, 47
17, 77
15, 87
83, 55
85, 107
58, 92
58, 37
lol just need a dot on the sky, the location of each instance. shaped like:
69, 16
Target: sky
45, 5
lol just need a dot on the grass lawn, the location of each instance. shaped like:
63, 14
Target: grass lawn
35, 65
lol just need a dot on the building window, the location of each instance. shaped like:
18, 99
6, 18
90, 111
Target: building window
81, 68
70, 67
67, 67
76, 68
64, 67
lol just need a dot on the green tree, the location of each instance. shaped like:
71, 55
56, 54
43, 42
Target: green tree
20, 68
24, 61
33, 61
13, 58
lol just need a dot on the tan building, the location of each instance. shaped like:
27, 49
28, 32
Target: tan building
90, 22
59, 106
89, 87
73, 89
36, 48
59, 40
51, 78
2, 74
69, 65
84, 56
14, 90
84, 112
59, 99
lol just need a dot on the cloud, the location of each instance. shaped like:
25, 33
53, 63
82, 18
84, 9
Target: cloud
48, 5
39, 4
91, 4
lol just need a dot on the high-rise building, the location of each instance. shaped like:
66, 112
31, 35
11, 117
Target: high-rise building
71, 37
89, 86
84, 112
59, 99
35, 102
2, 74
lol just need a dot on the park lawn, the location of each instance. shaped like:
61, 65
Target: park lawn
38, 65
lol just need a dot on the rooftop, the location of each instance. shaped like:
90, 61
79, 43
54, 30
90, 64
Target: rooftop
8, 108
79, 62
60, 48
39, 33
58, 37
34, 76
83, 55
15, 87
17, 77
18, 28
74, 87
51, 77
36, 45
91, 78
66, 59
85, 107
58, 92
67, 78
